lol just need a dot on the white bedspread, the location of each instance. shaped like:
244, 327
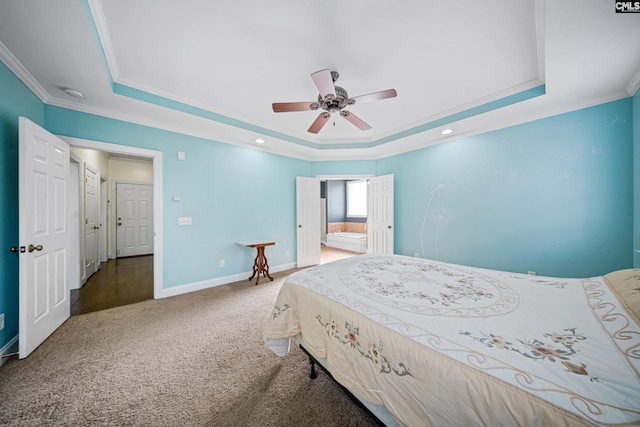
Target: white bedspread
454, 345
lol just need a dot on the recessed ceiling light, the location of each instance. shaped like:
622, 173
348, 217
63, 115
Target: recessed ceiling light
74, 93
260, 141
446, 131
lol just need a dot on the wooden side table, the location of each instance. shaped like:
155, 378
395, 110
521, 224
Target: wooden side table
260, 264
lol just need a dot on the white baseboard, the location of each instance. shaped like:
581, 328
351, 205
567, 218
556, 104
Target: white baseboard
218, 281
11, 347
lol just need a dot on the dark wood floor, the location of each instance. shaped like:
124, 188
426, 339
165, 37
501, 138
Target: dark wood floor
118, 282
125, 281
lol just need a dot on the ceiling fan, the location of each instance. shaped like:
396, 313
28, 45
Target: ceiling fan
332, 99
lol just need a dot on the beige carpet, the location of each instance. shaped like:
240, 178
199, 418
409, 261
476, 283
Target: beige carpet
192, 360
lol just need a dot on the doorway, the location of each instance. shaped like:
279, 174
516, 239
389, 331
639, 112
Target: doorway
153, 262
377, 225
119, 281
134, 219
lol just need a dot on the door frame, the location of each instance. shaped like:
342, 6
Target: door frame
96, 207
76, 246
156, 156
114, 213
352, 177
103, 249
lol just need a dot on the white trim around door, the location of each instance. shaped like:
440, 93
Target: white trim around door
157, 195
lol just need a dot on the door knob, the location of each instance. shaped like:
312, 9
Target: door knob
299, 226
35, 248
119, 223
388, 226
95, 227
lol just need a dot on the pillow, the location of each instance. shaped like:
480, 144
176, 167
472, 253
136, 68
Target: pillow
626, 283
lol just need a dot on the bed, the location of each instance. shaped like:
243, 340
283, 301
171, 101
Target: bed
432, 343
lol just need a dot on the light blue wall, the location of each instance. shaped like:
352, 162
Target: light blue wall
344, 167
15, 100
636, 179
231, 193
554, 196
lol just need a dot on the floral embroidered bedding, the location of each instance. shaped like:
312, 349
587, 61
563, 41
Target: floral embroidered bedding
444, 344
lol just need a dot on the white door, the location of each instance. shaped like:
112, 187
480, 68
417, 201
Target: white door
44, 295
91, 221
134, 211
75, 225
103, 255
380, 215
308, 220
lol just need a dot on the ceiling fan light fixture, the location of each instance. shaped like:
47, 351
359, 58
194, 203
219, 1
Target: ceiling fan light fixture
333, 103
332, 99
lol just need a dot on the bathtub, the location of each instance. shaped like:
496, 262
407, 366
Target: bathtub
354, 242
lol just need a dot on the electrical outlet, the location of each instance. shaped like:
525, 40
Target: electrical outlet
286, 253
417, 255
531, 273
221, 263
184, 220
270, 255
1, 321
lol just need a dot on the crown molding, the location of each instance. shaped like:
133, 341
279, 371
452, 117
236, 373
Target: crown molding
21, 72
104, 37
282, 148
292, 150
540, 37
461, 108
634, 84
399, 146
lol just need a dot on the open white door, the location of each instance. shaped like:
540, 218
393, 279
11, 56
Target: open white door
44, 293
91, 220
308, 220
380, 215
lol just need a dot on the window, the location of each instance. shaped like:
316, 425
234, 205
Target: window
357, 198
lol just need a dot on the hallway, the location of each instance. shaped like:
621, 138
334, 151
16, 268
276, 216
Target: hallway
119, 282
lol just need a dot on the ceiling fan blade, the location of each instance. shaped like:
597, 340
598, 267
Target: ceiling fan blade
284, 107
357, 121
319, 122
324, 82
375, 96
